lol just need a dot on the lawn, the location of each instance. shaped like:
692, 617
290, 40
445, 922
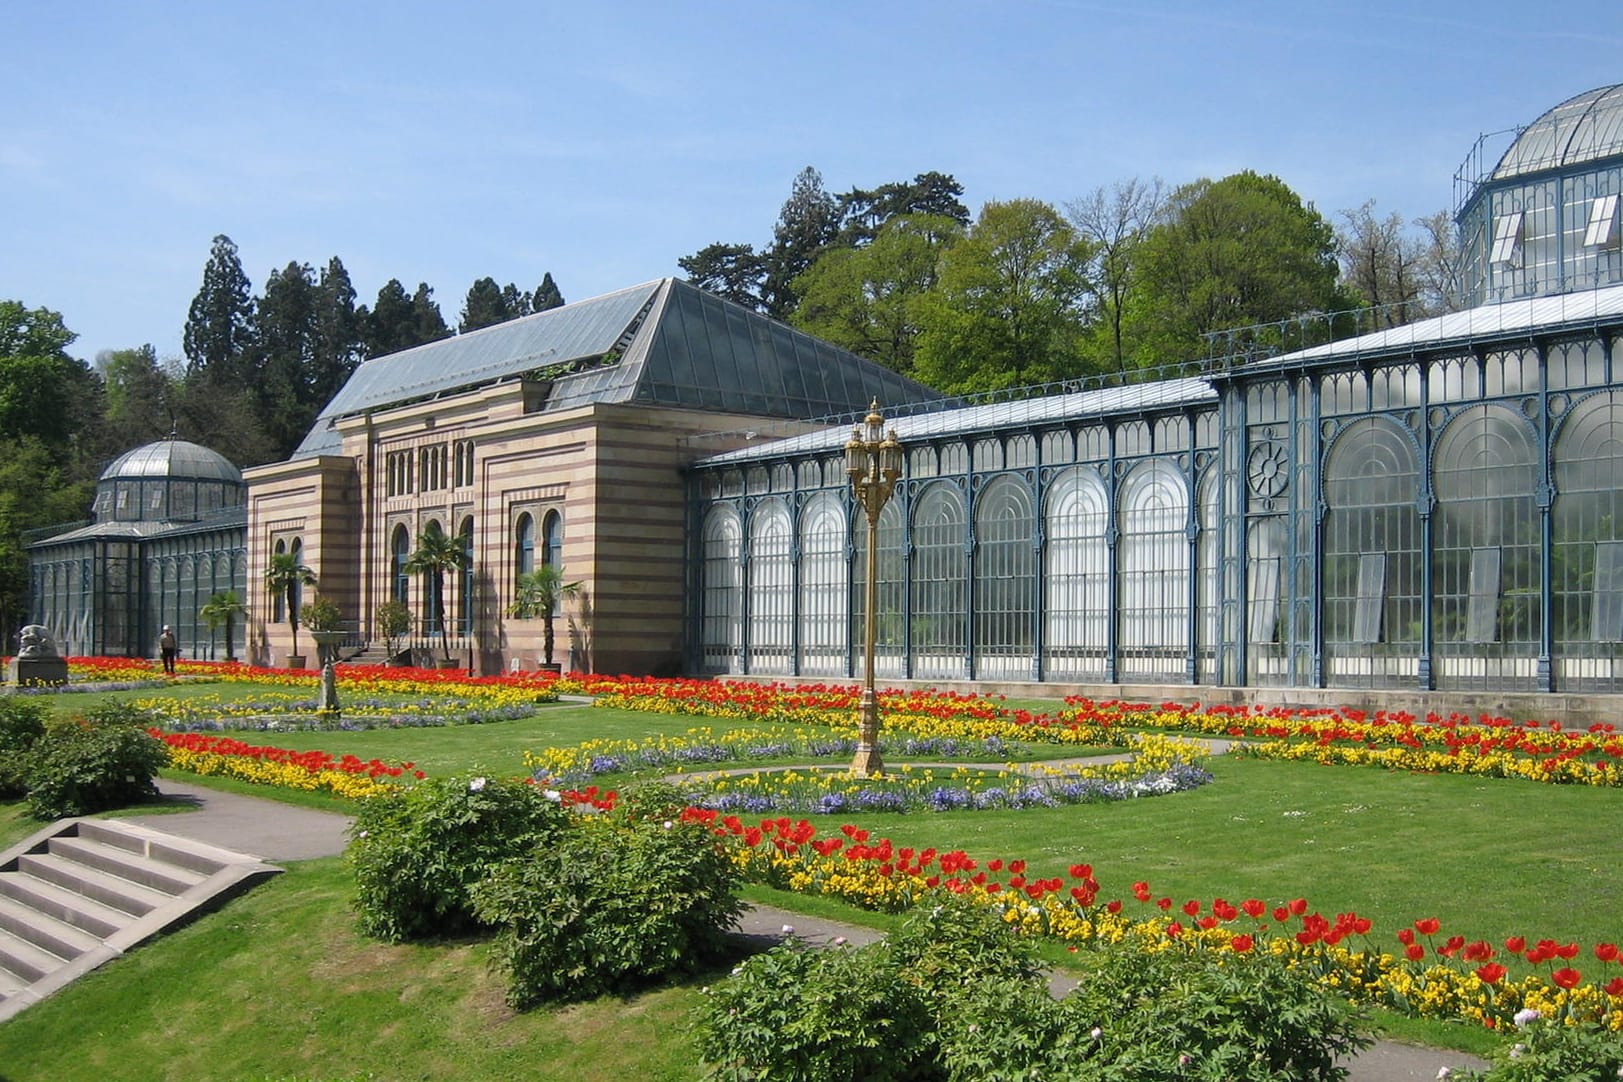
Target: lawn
279, 985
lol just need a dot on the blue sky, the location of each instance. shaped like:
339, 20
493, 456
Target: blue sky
603, 141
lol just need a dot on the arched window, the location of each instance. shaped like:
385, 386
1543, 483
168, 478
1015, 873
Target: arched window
1372, 558
278, 602
1005, 572
524, 545
297, 549
940, 581
399, 553
771, 589
1076, 582
823, 587
465, 583
1485, 552
890, 617
1587, 568
552, 533
722, 592
434, 587
1154, 570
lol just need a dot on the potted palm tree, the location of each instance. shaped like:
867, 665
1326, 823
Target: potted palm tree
539, 594
435, 555
284, 577
222, 610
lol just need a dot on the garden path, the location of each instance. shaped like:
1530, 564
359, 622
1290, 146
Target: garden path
276, 831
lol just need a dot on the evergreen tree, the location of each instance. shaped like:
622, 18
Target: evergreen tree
484, 307
807, 223
427, 324
733, 271
387, 325
863, 213
546, 296
339, 340
285, 355
220, 323
515, 300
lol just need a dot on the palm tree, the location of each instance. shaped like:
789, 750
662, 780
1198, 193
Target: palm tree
539, 593
223, 609
284, 576
436, 554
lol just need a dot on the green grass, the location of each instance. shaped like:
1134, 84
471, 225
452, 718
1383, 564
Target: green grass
278, 985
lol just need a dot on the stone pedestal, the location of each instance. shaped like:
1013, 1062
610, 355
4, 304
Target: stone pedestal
50, 671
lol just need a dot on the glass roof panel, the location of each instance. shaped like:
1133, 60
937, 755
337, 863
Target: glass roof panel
1581, 129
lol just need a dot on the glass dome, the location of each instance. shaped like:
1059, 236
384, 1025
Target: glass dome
1581, 129
172, 480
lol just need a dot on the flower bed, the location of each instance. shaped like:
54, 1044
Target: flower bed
1418, 970
311, 771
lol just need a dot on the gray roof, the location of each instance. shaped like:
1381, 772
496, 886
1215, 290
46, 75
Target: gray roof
1511, 318
1581, 129
992, 417
664, 343
223, 519
173, 459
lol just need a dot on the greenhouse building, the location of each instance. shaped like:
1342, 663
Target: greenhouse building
1431, 506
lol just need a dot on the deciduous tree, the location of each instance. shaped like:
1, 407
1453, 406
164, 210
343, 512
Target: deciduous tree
1232, 253
866, 298
1011, 307
1115, 222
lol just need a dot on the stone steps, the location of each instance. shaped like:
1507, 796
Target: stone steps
83, 891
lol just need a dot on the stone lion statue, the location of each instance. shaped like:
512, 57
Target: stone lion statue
35, 641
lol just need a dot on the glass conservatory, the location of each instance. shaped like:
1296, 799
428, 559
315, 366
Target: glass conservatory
1430, 507
167, 535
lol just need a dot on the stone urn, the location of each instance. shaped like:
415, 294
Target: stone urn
327, 643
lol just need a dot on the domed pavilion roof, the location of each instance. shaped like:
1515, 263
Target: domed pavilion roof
174, 459
1584, 128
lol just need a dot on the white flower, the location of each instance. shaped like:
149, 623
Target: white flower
669, 824
476, 784
1445, 1072
1183, 1059
1096, 1033
839, 941
1526, 1015
1517, 1050
553, 795
788, 929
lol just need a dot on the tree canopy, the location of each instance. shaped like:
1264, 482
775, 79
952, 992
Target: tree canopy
1011, 305
1231, 253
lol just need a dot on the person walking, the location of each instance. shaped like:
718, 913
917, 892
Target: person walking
168, 647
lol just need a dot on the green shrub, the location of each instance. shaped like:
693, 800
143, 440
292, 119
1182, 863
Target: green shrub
988, 1015
800, 1014
416, 852
1178, 1014
609, 904
1544, 1049
22, 723
103, 760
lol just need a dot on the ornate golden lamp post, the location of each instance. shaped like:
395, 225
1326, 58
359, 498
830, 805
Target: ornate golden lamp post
873, 461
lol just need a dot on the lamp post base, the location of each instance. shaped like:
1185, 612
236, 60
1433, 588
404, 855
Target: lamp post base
867, 762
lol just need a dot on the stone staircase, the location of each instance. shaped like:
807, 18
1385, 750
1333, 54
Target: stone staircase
83, 891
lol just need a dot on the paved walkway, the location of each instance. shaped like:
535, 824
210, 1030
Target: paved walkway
275, 831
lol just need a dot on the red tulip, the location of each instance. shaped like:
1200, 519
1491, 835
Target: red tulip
1241, 943
1566, 978
1491, 973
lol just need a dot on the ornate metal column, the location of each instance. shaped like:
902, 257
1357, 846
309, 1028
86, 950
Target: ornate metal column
873, 462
